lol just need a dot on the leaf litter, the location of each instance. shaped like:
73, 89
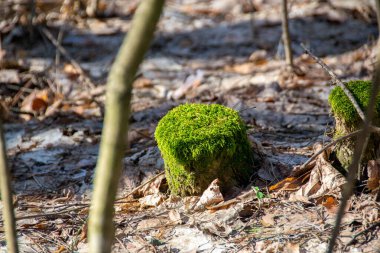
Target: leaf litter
203, 52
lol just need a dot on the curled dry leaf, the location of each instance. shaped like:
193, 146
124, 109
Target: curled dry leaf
142, 82
324, 179
318, 181
36, 103
152, 200
330, 202
152, 187
210, 196
268, 220
175, 216
373, 168
191, 82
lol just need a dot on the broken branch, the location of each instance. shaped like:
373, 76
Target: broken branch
337, 81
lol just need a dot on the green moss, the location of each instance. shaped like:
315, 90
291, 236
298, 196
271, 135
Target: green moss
348, 120
200, 143
342, 106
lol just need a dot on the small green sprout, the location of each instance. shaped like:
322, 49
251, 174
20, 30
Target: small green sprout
259, 194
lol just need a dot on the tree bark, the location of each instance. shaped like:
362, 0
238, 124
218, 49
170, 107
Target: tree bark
286, 39
6, 196
114, 135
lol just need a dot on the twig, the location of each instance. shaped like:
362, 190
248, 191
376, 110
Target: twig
66, 54
140, 186
372, 128
286, 35
336, 81
252, 19
47, 214
327, 146
376, 224
84, 205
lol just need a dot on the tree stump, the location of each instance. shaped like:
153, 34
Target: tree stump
347, 120
201, 142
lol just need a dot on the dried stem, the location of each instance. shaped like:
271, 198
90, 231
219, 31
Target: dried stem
336, 81
286, 35
66, 54
6, 195
315, 155
327, 146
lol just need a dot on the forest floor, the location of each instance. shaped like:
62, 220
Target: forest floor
53, 77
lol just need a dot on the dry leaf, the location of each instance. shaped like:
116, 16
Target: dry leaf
61, 249
36, 102
152, 200
175, 216
324, 179
292, 248
71, 71
191, 82
373, 168
142, 82
210, 196
268, 220
331, 203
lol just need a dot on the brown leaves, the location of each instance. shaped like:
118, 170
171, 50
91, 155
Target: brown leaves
373, 168
321, 183
36, 103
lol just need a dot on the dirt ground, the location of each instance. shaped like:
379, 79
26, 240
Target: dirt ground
52, 87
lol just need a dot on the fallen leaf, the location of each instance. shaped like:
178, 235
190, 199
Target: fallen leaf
152, 200
36, 102
71, 71
331, 203
142, 82
61, 249
373, 168
210, 196
191, 82
268, 220
290, 183
292, 248
175, 216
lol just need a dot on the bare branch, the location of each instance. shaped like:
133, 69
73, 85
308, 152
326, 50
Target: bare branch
327, 146
6, 195
286, 35
373, 129
66, 54
336, 81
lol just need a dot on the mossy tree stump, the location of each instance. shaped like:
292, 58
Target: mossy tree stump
201, 142
347, 120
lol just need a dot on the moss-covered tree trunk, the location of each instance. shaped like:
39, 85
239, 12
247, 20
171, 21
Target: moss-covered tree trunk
114, 135
6, 197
